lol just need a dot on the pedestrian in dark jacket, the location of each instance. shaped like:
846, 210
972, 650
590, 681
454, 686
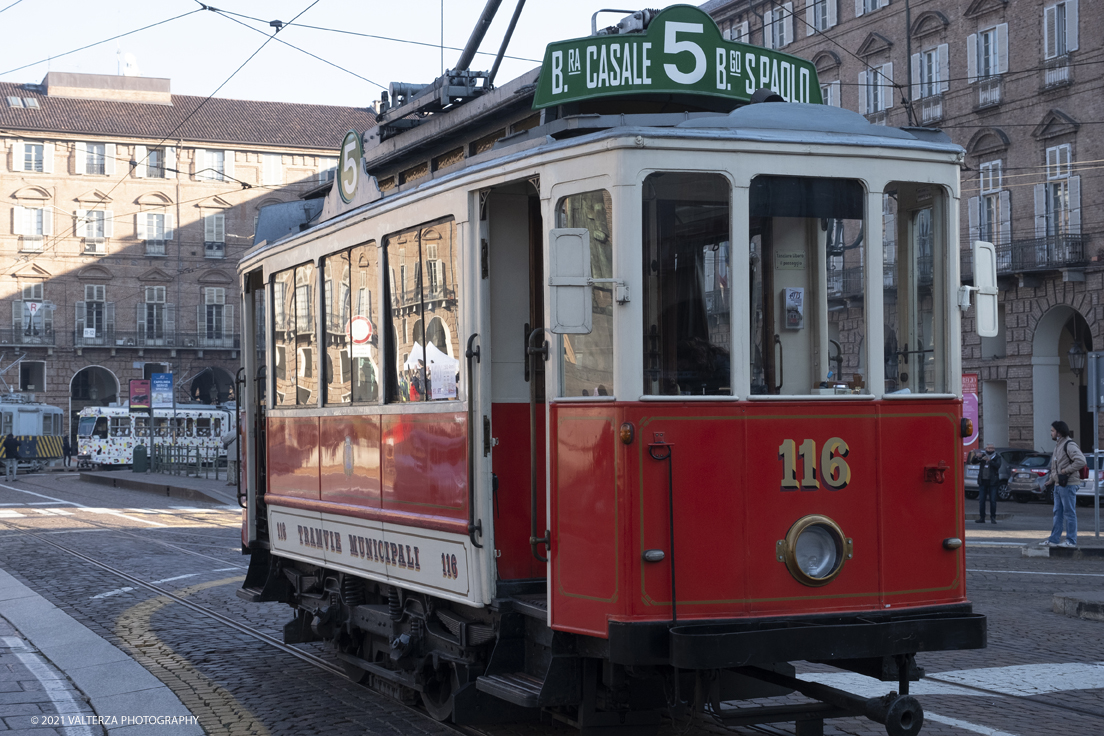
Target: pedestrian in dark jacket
988, 481
66, 450
11, 458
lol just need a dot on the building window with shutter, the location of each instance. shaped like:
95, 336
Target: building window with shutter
830, 93
95, 317
93, 226
214, 235
214, 322
155, 163
32, 321
154, 232
32, 224
876, 92
989, 210
327, 169
96, 161
155, 323
778, 26
863, 7
1057, 191
212, 166
1060, 37
33, 159
987, 60
820, 15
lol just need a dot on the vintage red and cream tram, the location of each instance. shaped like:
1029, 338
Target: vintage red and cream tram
597, 399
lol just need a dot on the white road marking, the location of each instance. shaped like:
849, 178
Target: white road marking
1013, 681
9, 514
109, 512
228, 569
965, 725
1060, 574
61, 696
53, 512
110, 593
178, 577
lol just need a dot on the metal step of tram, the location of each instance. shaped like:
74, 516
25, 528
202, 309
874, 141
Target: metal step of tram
252, 595
519, 688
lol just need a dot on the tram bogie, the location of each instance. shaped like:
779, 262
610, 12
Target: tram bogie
604, 422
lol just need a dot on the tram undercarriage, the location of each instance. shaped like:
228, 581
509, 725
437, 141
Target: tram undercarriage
503, 663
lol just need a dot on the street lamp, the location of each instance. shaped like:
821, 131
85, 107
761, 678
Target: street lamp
1077, 357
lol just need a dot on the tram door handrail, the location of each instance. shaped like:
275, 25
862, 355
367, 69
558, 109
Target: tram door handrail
534, 541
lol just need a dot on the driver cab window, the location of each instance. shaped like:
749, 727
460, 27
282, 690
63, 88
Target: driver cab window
807, 271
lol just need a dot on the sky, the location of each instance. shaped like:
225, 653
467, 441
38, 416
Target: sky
200, 51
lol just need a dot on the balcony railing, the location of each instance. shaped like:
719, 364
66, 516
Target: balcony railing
104, 338
1034, 254
931, 109
1056, 73
22, 336
989, 91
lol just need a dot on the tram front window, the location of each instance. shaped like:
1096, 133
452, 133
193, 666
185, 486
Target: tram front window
914, 289
687, 294
84, 427
807, 279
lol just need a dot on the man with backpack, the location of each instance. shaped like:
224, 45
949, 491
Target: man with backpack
11, 458
1066, 466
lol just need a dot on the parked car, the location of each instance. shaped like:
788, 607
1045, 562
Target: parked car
1085, 491
1010, 456
1026, 478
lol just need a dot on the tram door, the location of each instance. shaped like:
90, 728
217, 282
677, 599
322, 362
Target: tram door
511, 231
256, 371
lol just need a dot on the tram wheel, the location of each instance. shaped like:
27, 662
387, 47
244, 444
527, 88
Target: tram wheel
440, 688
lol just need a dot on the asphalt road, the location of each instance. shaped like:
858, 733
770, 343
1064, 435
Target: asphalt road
1041, 672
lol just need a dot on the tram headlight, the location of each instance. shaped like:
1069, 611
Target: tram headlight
814, 550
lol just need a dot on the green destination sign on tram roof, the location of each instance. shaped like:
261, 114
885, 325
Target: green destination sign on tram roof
681, 52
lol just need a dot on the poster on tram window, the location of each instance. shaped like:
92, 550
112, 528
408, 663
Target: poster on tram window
970, 409
161, 390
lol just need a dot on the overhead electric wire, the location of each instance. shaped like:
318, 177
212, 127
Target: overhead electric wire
97, 43
187, 117
369, 35
308, 53
11, 6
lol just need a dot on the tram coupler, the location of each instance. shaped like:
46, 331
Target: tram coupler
900, 714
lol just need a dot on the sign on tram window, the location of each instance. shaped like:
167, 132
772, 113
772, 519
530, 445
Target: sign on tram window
687, 284
423, 313
351, 357
682, 51
586, 360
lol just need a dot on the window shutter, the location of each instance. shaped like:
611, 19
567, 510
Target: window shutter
1002, 48
883, 3
973, 211
1006, 217
201, 322
140, 225
80, 158
228, 164
201, 164
47, 158
944, 67
109, 159
109, 320
810, 17
141, 171
859, 8
971, 58
170, 320
18, 218
833, 13
17, 155
834, 93
17, 315
170, 162
1050, 32
80, 230
1040, 210
787, 24
1071, 25
209, 229
79, 319
140, 321
915, 92
862, 91
109, 223
744, 30
887, 85
47, 220
273, 169
228, 321
220, 228
169, 234
1075, 205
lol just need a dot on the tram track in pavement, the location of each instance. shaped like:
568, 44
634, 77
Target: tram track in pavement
255, 633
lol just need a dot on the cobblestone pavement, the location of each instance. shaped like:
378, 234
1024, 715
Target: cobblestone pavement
236, 684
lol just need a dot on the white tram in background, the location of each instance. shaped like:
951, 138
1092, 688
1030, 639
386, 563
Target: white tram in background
37, 427
615, 322
107, 435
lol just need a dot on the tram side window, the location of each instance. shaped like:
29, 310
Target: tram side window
352, 342
687, 294
7, 426
807, 286
293, 341
100, 430
141, 426
586, 361
915, 289
120, 426
203, 427
160, 426
424, 313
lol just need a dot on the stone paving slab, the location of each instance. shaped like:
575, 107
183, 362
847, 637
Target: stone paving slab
90, 685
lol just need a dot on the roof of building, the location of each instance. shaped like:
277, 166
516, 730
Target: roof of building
219, 120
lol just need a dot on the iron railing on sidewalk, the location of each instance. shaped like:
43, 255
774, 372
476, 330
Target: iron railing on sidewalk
195, 462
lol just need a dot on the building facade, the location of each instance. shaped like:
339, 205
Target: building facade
129, 209
1014, 82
